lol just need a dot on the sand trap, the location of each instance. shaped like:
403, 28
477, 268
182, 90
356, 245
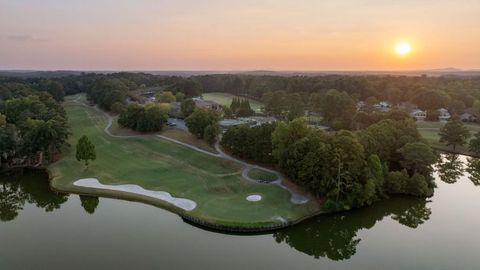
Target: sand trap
254, 198
279, 218
185, 204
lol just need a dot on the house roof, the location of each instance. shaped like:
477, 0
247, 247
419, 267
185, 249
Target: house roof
206, 103
417, 111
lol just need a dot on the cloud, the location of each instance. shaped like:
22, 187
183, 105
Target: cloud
25, 38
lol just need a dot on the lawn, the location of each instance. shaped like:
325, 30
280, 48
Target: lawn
430, 130
187, 137
226, 99
214, 184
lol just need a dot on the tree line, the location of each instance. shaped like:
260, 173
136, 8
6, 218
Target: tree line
148, 118
33, 124
347, 168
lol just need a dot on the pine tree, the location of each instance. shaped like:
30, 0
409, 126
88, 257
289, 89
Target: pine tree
234, 106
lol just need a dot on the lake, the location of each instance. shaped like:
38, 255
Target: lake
42, 230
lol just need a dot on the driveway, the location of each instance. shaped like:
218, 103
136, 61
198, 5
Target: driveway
180, 123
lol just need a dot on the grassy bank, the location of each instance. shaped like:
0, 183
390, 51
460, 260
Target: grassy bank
214, 184
430, 130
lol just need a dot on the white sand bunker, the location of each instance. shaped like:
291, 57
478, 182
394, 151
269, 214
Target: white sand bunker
185, 204
279, 218
254, 198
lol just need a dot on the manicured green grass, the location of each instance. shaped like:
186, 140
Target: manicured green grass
430, 130
187, 137
226, 99
262, 176
214, 184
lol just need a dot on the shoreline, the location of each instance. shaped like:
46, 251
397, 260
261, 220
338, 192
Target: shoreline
227, 227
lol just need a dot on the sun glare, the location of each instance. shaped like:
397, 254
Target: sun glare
403, 48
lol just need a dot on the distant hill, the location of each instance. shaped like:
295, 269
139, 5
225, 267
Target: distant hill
186, 73
37, 73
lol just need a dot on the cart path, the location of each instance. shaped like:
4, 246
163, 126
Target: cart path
295, 197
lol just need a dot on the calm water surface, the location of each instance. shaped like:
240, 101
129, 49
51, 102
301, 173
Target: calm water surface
42, 230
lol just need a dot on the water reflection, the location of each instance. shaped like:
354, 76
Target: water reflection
335, 236
31, 186
473, 169
89, 203
450, 168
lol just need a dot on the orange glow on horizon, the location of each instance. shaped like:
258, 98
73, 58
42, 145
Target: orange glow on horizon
224, 35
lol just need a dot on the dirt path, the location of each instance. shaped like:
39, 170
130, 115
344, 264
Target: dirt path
295, 197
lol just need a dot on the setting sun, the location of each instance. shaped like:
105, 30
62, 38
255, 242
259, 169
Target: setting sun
403, 48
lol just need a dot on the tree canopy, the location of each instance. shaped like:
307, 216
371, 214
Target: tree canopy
203, 123
33, 126
85, 150
454, 133
150, 118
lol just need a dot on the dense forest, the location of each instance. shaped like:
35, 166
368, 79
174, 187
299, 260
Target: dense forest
33, 124
348, 169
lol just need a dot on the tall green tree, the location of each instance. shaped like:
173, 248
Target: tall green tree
3, 119
85, 150
165, 97
199, 120
187, 107
338, 109
454, 133
235, 104
244, 109
295, 106
417, 158
210, 133
179, 96
54, 88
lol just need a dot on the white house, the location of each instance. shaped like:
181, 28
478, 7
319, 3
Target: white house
383, 106
468, 117
418, 114
207, 104
443, 115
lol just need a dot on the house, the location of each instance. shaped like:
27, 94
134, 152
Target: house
227, 123
360, 105
443, 115
382, 106
260, 120
418, 114
251, 121
207, 104
468, 117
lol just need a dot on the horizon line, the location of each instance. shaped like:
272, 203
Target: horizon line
240, 70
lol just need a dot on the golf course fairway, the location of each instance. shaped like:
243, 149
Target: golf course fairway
154, 164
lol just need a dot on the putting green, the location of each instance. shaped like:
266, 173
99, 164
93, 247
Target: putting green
215, 184
262, 176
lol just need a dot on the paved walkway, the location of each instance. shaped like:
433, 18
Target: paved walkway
295, 197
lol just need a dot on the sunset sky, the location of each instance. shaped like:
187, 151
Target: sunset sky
238, 35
